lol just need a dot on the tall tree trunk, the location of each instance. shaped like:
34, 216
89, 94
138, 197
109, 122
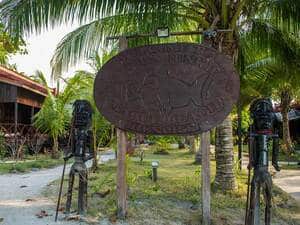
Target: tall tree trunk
192, 144
54, 153
285, 98
225, 178
239, 133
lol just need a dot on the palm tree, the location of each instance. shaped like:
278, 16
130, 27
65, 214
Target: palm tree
266, 75
112, 17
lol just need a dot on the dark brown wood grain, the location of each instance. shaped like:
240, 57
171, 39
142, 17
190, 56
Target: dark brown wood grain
167, 89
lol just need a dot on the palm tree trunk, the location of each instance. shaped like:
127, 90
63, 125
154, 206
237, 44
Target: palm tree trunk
192, 144
285, 98
54, 153
239, 133
225, 178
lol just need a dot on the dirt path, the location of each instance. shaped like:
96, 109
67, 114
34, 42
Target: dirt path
289, 181
21, 198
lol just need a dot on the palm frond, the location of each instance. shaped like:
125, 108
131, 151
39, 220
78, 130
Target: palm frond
286, 13
270, 39
32, 16
39, 77
83, 42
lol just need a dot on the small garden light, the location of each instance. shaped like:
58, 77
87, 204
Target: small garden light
163, 32
154, 165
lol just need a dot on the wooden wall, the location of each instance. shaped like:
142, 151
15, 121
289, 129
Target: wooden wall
29, 98
28, 101
11, 93
8, 93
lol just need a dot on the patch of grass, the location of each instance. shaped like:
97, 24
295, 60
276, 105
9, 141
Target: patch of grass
39, 162
175, 198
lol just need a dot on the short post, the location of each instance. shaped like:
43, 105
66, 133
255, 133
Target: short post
32, 115
205, 145
16, 128
154, 165
121, 160
16, 119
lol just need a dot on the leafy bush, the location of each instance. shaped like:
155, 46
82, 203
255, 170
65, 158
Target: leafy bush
162, 147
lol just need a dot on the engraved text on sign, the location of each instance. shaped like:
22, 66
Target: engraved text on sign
167, 89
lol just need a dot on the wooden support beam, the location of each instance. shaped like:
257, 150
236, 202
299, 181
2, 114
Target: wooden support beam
121, 175
121, 160
154, 34
16, 118
32, 115
205, 145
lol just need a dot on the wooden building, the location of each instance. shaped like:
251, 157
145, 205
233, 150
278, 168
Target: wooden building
20, 99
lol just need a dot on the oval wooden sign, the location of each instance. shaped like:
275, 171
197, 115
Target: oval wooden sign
164, 89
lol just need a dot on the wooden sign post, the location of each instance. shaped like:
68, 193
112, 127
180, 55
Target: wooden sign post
121, 160
135, 88
205, 145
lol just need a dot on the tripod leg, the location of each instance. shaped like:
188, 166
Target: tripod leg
86, 189
268, 201
253, 214
82, 192
257, 205
70, 189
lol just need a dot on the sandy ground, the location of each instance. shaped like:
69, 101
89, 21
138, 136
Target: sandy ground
287, 180
21, 196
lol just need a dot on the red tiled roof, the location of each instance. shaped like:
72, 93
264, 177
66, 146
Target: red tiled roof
14, 78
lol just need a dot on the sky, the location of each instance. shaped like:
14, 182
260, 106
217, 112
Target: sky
40, 49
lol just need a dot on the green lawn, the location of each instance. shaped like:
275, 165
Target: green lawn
176, 195
29, 163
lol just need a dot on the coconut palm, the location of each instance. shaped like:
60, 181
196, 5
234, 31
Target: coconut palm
102, 18
266, 75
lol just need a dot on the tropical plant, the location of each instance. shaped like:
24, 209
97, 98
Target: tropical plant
101, 128
115, 17
39, 77
55, 115
267, 74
